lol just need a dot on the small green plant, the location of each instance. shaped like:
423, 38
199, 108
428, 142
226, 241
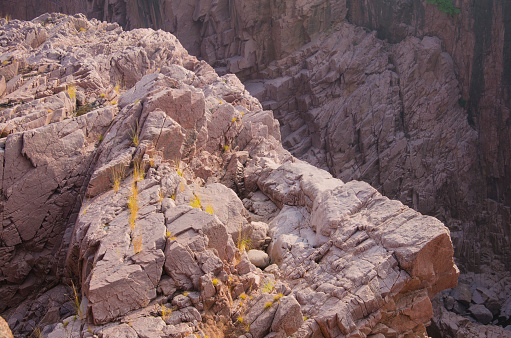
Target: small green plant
268, 286
268, 305
82, 29
215, 281
65, 324
226, 148
185, 293
240, 319
243, 296
445, 6
305, 318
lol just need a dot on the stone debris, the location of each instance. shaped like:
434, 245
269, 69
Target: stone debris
154, 183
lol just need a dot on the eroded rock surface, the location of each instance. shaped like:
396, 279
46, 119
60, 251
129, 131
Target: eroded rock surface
134, 191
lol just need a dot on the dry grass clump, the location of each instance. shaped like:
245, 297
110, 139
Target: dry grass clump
137, 244
71, 91
133, 205
118, 174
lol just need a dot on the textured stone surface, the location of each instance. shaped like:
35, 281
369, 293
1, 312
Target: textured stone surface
5, 331
155, 231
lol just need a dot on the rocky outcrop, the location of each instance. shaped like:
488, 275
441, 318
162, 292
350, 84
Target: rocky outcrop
134, 170
419, 124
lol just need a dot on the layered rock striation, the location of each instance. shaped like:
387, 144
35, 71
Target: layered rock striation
134, 179
418, 107
418, 99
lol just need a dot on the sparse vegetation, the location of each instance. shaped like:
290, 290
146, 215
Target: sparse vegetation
268, 286
209, 209
165, 312
135, 134
75, 297
71, 91
168, 235
195, 202
133, 205
138, 171
117, 176
278, 297
243, 296
268, 305
243, 242
445, 6
37, 333
215, 281
137, 244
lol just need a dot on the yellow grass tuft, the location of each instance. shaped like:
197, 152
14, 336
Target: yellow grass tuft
137, 244
139, 171
133, 205
195, 202
135, 135
118, 174
209, 209
71, 91
76, 301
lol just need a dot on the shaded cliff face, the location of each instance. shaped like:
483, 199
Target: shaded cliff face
29, 9
241, 36
478, 39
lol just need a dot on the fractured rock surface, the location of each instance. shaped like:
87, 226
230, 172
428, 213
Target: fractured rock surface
134, 191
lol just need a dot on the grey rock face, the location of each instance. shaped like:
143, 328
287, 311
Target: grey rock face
481, 313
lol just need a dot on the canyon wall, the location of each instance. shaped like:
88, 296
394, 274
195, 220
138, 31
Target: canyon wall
29, 9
